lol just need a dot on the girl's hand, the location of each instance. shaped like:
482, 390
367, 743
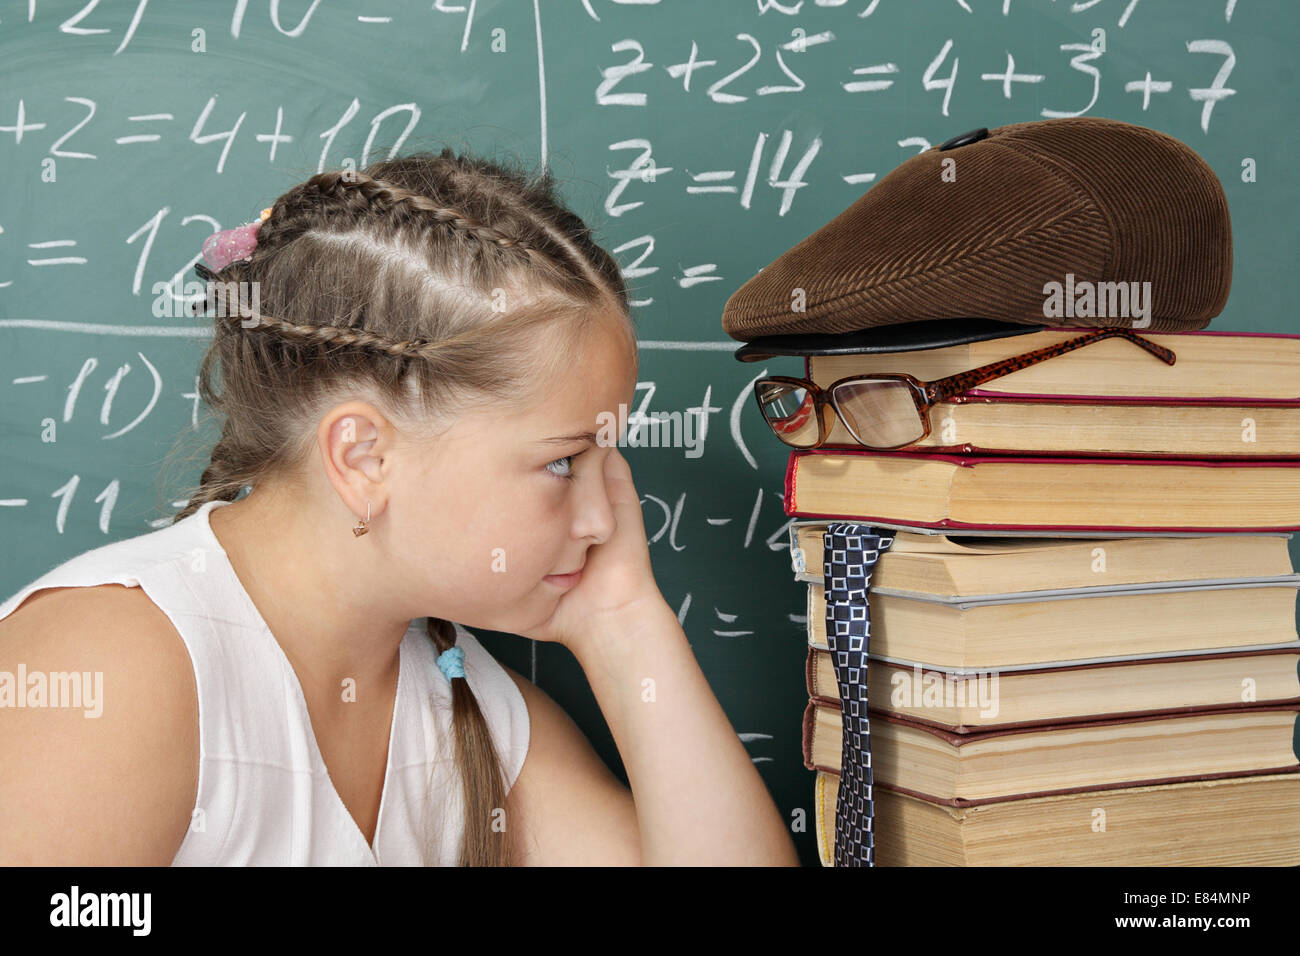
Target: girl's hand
617, 586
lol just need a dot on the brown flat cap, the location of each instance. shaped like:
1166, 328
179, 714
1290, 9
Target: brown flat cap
980, 226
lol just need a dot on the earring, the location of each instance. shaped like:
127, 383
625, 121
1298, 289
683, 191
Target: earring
361, 528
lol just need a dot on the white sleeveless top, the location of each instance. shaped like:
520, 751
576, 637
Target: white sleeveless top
264, 796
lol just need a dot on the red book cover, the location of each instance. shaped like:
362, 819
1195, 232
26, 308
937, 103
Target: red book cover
795, 509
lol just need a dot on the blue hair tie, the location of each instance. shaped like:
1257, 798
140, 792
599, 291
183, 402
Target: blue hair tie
452, 662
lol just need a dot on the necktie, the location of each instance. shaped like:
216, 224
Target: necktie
851, 551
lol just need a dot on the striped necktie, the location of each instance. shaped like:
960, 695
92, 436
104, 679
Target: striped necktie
851, 551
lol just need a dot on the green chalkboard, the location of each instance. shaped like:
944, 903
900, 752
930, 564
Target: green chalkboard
699, 140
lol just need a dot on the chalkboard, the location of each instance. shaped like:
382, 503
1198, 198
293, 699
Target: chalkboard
699, 140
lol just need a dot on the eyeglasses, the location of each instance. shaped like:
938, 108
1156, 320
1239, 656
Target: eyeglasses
889, 410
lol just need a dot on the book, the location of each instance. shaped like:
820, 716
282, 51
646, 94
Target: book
960, 702
955, 565
945, 491
1012, 762
1226, 396
1242, 367
1229, 821
1138, 428
1087, 625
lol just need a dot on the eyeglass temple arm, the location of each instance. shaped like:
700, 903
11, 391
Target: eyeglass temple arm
943, 388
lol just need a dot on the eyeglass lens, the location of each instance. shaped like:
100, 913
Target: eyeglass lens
880, 413
789, 410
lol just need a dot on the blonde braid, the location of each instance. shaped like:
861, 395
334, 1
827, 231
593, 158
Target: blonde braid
361, 194
334, 335
357, 189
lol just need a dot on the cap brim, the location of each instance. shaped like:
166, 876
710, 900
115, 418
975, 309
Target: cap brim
905, 337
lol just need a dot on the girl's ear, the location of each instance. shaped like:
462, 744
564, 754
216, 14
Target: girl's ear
354, 440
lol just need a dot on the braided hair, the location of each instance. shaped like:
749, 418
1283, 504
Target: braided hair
432, 280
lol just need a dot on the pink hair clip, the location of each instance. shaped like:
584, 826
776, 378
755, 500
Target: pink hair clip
230, 245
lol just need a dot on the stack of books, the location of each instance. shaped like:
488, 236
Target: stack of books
1083, 639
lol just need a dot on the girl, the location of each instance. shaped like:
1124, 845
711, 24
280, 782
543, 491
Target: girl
287, 676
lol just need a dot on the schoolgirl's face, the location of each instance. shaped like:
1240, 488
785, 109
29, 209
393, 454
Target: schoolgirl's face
507, 501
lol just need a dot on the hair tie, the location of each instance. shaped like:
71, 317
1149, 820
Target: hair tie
231, 245
452, 662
